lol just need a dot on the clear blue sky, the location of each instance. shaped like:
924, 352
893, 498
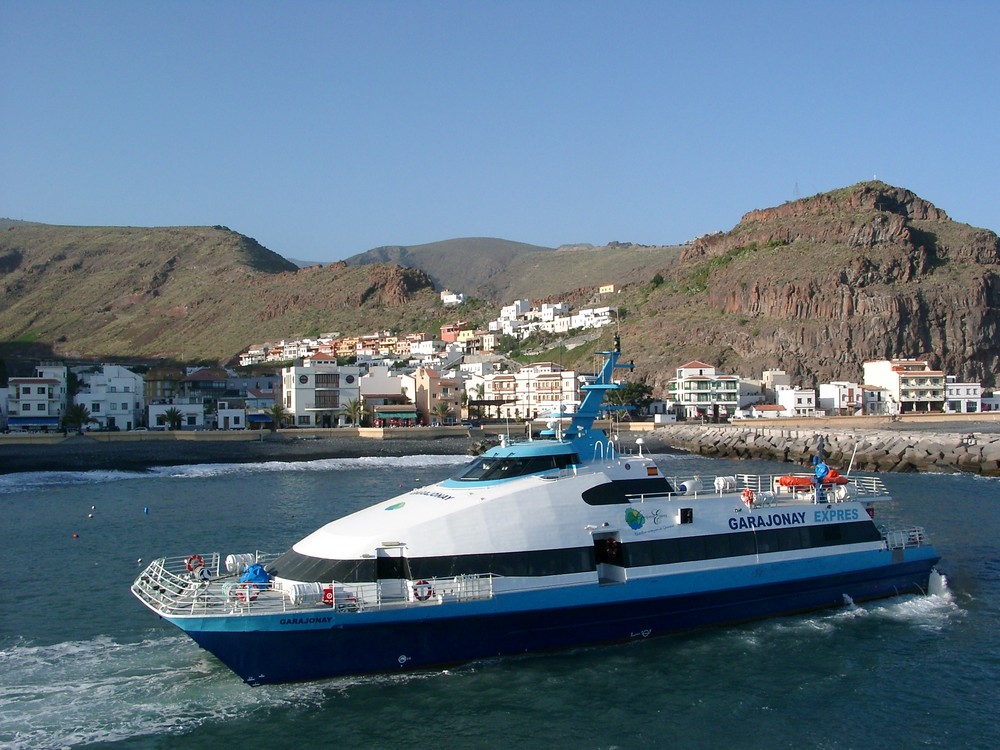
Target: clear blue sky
324, 129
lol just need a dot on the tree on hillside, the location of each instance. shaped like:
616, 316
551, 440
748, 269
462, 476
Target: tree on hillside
278, 415
76, 416
174, 417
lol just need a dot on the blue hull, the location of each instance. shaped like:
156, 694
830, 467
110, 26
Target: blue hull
358, 645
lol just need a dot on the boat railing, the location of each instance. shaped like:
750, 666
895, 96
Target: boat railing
170, 587
768, 489
903, 538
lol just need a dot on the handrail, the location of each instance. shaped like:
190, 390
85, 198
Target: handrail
767, 486
169, 589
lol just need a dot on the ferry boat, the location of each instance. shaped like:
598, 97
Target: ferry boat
539, 545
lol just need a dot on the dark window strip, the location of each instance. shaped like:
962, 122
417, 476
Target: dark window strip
623, 491
551, 562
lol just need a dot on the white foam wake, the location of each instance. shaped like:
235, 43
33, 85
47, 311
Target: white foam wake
34, 480
102, 691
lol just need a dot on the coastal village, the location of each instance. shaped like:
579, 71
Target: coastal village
417, 379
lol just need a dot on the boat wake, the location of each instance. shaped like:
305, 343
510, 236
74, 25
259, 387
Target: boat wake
101, 691
30, 481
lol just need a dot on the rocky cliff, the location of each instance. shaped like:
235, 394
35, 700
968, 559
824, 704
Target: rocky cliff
818, 286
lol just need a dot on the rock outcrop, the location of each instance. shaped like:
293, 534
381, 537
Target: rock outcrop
820, 285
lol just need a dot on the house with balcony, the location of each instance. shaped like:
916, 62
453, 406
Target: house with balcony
37, 403
700, 392
428, 389
316, 393
534, 392
910, 384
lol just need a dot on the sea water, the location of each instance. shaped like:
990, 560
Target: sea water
82, 663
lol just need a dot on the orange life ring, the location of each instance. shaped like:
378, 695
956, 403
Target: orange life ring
247, 592
422, 591
194, 562
748, 496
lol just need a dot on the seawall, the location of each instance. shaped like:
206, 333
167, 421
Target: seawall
871, 449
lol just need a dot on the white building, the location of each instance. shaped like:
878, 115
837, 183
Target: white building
517, 309
316, 393
911, 383
39, 402
114, 396
191, 411
701, 392
534, 392
878, 401
594, 317
840, 398
231, 415
449, 299
964, 398
797, 402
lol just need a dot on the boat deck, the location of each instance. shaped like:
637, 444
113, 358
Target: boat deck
174, 587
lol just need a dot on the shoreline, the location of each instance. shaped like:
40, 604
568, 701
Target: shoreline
935, 447
82, 453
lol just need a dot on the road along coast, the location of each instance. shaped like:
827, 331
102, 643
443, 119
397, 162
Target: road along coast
975, 449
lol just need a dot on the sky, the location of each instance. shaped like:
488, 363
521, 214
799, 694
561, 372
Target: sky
324, 129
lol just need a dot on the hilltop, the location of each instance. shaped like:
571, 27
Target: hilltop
819, 285
500, 271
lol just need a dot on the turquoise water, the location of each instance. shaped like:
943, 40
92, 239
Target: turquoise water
83, 664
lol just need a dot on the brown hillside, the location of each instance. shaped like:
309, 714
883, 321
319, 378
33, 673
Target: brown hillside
196, 293
818, 286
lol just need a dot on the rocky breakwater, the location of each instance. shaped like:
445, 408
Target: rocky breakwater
871, 450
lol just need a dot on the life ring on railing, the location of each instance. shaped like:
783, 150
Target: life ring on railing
194, 562
422, 591
247, 592
748, 497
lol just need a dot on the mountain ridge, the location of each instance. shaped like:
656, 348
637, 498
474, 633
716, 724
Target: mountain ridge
813, 286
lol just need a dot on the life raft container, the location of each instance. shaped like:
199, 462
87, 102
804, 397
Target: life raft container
800, 480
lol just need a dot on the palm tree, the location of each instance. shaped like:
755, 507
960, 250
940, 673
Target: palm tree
480, 391
76, 417
174, 417
278, 416
441, 412
354, 410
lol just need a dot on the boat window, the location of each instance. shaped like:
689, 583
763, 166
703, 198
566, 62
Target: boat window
490, 469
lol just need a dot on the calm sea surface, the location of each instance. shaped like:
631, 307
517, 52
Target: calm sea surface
82, 663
